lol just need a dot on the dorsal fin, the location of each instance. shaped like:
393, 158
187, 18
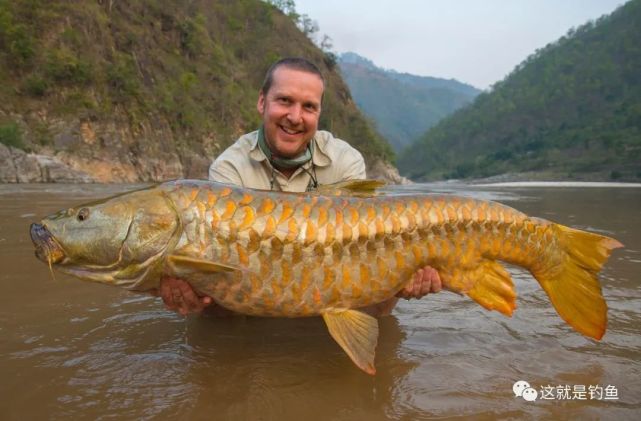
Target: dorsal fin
356, 188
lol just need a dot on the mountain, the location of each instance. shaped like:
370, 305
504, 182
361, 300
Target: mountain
402, 106
572, 110
149, 90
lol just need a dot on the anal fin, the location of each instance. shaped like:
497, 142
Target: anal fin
488, 283
357, 333
493, 288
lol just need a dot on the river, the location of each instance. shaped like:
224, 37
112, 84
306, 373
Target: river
79, 350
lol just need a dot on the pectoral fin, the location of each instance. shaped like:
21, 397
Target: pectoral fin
357, 333
199, 265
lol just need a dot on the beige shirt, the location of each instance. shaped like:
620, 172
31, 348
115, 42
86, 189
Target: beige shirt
244, 164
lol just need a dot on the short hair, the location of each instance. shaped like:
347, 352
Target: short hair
293, 63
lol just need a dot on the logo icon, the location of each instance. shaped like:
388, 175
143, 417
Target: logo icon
519, 387
522, 389
529, 394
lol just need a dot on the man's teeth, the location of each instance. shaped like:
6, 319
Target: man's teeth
290, 131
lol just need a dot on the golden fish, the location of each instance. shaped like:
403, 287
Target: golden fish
291, 255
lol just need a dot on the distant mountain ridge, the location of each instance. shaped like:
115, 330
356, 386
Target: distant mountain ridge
572, 110
403, 106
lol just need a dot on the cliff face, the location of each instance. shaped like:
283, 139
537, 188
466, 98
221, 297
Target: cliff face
104, 150
153, 90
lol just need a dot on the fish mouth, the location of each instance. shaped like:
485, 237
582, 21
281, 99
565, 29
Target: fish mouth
47, 248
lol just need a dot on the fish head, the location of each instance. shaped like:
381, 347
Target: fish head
120, 241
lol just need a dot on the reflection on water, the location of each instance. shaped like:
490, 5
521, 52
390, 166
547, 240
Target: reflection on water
85, 351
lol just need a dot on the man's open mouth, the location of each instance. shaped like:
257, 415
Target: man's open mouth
290, 131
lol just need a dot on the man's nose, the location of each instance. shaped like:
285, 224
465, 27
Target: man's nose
295, 114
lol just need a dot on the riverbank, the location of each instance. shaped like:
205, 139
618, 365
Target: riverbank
555, 177
18, 166
593, 184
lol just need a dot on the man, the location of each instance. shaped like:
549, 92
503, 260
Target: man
288, 153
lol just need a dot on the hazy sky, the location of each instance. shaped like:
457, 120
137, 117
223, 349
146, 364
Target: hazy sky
475, 41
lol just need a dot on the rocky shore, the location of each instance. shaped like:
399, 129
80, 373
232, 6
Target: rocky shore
18, 166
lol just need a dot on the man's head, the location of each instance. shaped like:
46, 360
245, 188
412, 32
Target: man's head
290, 105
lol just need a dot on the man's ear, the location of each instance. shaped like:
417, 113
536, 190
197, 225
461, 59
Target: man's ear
260, 105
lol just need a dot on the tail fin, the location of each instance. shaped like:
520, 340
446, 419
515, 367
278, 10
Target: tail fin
573, 287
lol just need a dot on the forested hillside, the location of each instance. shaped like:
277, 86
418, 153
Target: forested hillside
403, 106
105, 90
572, 110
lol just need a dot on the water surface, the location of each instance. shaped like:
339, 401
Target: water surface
79, 350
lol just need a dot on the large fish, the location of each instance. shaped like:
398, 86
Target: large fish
291, 255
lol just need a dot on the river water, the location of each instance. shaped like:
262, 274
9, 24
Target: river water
73, 349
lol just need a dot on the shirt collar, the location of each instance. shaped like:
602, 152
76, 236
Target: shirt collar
320, 157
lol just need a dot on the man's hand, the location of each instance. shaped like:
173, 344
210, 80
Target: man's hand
426, 280
179, 296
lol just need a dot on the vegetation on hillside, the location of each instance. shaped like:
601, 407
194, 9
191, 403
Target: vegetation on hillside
403, 106
196, 64
571, 110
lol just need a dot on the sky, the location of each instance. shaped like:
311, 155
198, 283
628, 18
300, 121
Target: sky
474, 41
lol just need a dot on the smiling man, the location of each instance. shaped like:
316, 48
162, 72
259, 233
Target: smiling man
289, 153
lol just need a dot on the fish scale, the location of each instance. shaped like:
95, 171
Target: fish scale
390, 251
329, 253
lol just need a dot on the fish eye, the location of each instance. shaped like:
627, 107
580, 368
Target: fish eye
83, 214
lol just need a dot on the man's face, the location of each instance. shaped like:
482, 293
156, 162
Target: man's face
290, 110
